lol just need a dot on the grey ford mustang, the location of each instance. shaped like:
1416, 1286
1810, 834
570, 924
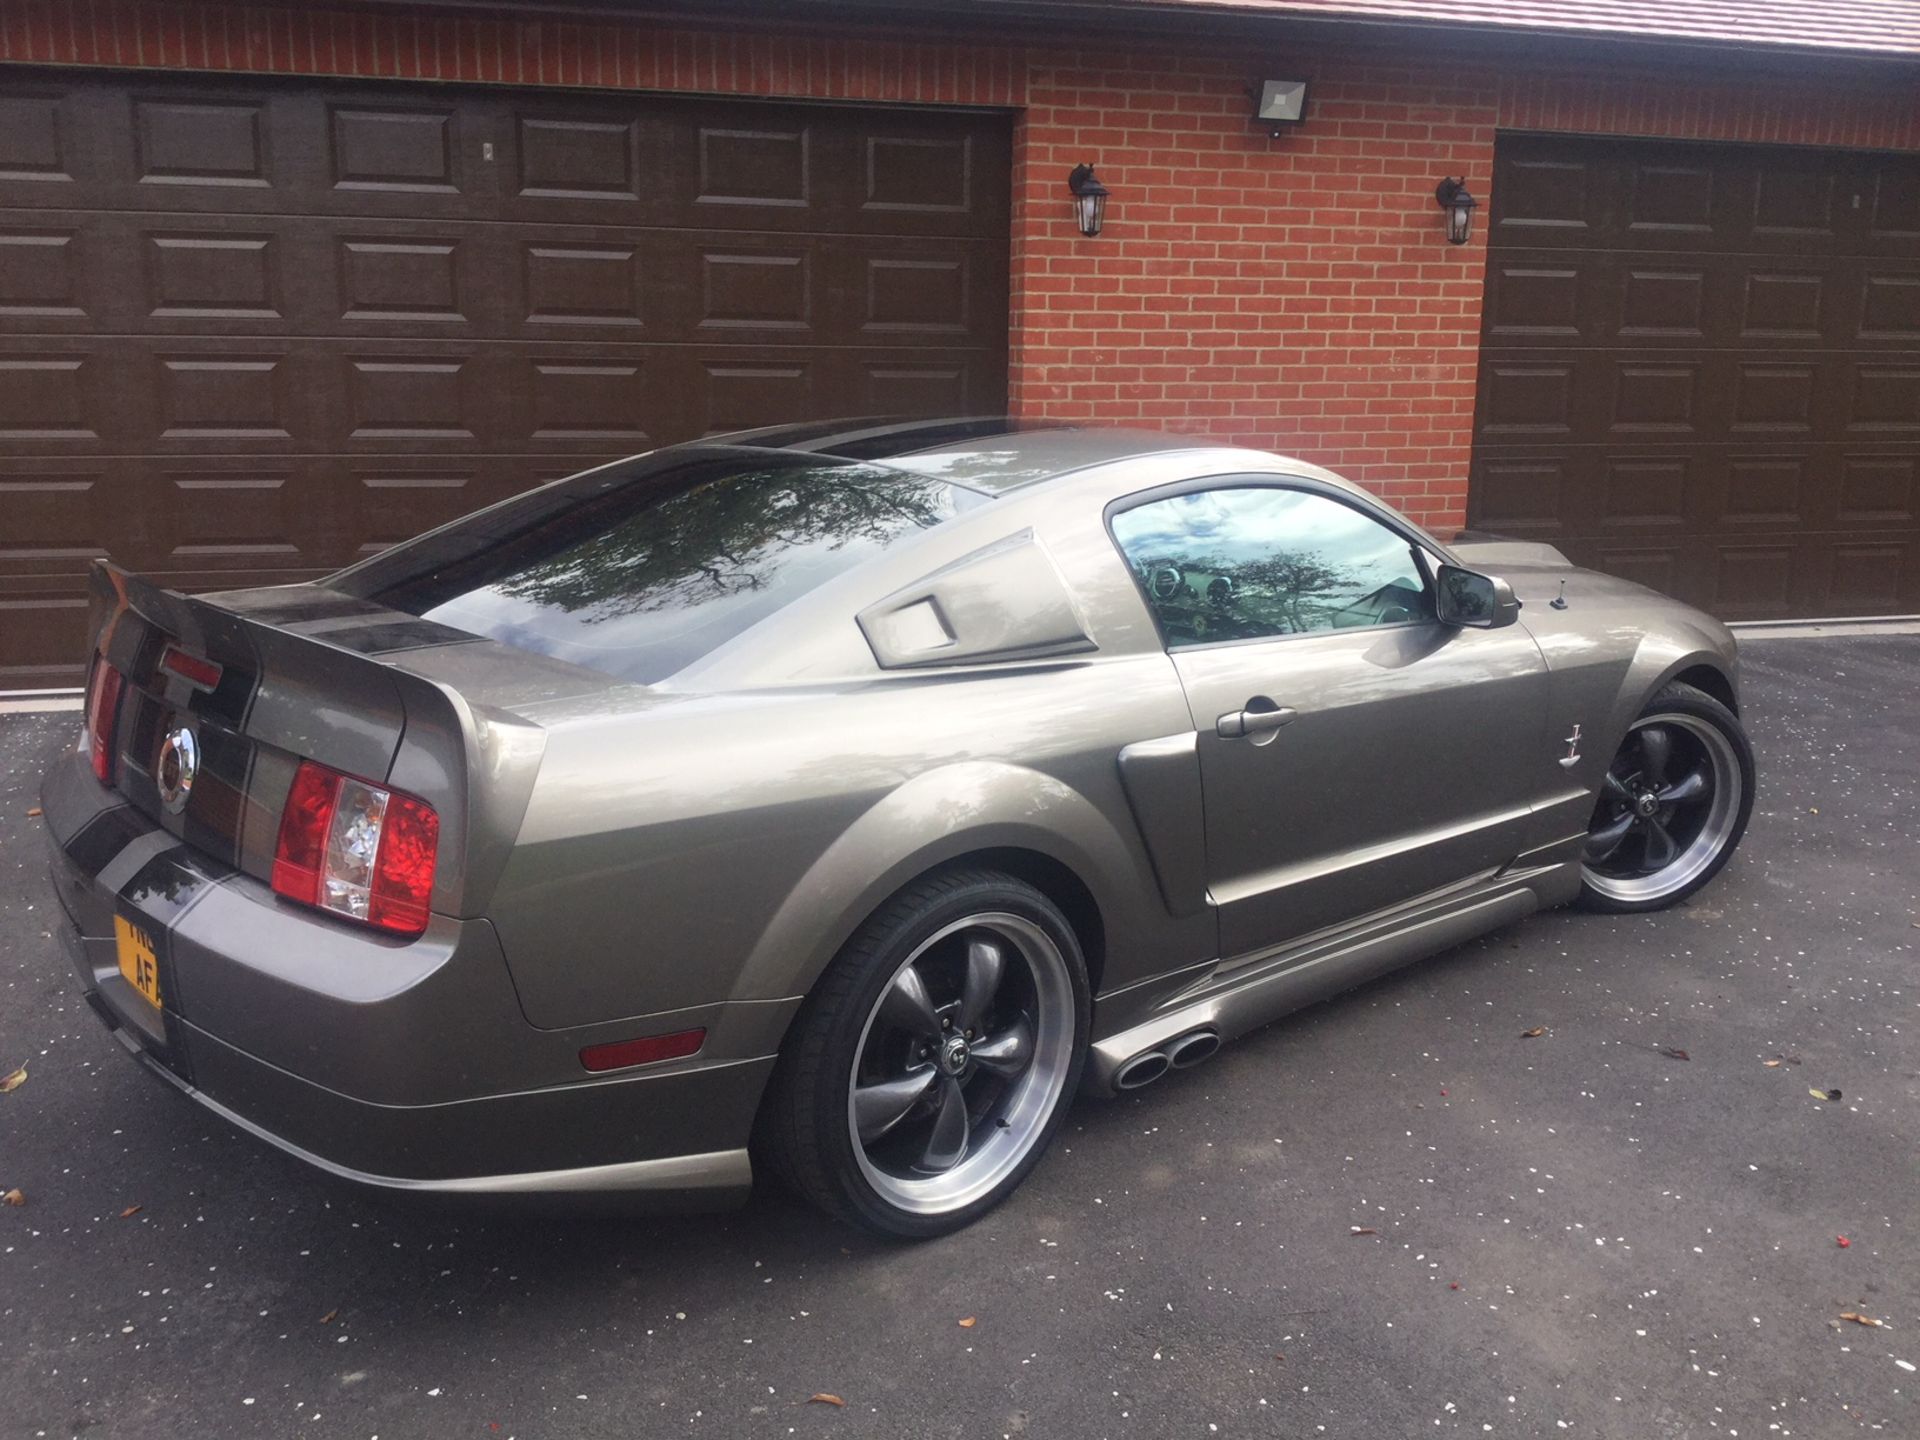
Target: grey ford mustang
846, 798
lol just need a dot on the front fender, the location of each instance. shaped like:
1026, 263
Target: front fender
1604, 695
942, 815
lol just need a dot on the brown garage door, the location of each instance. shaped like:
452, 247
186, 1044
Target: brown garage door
249, 332
1701, 370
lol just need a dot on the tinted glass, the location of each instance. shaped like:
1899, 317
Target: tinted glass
641, 570
1246, 563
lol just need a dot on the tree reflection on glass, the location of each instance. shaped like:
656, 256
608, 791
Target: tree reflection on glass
640, 569
726, 537
1244, 563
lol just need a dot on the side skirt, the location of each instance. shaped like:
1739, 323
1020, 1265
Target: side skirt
1229, 998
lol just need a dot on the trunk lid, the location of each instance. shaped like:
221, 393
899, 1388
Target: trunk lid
304, 672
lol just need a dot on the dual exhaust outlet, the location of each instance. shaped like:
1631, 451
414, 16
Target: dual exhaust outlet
1181, 1053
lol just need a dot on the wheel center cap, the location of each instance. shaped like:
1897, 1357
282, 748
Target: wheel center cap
954, 1054
1645, 805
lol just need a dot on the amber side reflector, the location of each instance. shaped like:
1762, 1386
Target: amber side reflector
648, 1050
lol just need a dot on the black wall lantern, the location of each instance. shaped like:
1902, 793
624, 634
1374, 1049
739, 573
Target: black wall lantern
1459, 205
1089, 199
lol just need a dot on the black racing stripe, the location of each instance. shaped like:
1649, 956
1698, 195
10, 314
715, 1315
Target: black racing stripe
305, 604
157, 896
105, 836
387, 637
911, 439
171, 881
212, 819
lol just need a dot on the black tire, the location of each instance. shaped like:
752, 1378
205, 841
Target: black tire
1690, 717
805, 1134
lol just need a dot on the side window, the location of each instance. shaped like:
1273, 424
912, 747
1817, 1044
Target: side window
1248, 562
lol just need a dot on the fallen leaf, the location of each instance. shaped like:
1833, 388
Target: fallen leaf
1676, 1054
131, 1211
328, 1318
1842, 1241
33, 813
1278, 1356
1820, 1094
825, 1399
968, 1323
1859, 1319
1534, 1034
14, 1081
1361, 1230
13, 1197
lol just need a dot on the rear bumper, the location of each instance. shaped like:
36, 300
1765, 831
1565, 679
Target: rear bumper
401, 1067
709, 1181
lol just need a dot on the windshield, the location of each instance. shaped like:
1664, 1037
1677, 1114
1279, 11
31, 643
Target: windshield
640, 569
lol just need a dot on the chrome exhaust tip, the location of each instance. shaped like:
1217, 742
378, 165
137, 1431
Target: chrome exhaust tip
1141, 1070
1191, 1050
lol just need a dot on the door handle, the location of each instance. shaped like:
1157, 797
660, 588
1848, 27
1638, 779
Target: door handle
1251, 723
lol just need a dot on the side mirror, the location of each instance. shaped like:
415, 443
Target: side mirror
1467, 597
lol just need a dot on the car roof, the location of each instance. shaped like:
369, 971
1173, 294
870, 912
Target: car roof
993, 453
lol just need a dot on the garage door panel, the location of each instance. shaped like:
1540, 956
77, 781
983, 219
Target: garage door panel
46, 283
160, 274
1878, 490
193, 395
252, 331
1617, 396
1893, 211
1545, 298
1557, 192
36, 136
55, 515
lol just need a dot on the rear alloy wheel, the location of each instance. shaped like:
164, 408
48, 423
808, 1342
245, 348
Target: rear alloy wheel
1672, 806
936, 1059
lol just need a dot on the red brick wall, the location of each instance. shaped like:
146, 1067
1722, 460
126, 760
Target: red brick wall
1294, 294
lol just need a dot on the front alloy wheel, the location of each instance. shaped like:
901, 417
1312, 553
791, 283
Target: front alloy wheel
1672, 806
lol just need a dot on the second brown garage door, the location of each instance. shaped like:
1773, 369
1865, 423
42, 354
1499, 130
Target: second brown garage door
1700, 369
252, 331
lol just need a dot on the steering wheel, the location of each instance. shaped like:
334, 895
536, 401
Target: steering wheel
1164, 581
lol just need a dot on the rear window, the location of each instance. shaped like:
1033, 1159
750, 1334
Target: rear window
641, 568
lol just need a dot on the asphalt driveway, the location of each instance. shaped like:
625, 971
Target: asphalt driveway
1625, 1226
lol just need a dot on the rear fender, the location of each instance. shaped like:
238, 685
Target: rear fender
934, 818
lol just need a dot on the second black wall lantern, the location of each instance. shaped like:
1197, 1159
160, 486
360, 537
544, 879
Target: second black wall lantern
1089, 199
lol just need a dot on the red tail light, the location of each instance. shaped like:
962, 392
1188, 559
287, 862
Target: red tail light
357, 850
103, 710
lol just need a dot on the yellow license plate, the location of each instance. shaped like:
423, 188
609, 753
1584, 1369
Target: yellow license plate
137, 961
